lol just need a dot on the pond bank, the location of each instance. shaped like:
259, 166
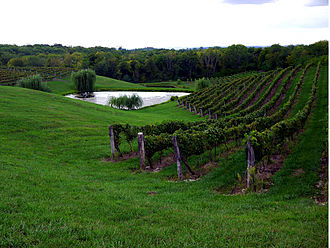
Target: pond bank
149, 97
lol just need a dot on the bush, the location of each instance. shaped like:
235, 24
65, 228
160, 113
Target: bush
202, 83
84, 80
33, 82
174, 98
126, 102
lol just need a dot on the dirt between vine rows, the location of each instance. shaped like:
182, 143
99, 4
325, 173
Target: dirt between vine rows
123, 157
295, 100
265, 170
244, 97
161, 164
256, 97
273, 91
280, 100
322, 185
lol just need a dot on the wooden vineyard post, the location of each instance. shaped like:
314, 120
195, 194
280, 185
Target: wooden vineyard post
178, 157
142, 151
216, 116
195, 109
250, 161
201, 111
189, 107
210, 116
112, 141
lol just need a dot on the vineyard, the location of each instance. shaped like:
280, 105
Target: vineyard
258, 109
189, 188
11, 75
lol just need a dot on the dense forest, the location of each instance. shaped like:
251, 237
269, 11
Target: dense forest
149, 64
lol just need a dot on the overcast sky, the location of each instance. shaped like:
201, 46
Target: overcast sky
163, 23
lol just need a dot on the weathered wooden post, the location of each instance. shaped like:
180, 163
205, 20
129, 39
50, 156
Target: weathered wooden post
178, 157
201, 111
210, 116
195, 110
112, 141
142, 151
250, 161
189, 107
216, 116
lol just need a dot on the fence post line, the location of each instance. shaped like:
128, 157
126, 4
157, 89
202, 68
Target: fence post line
178, 157
112, 141
142, 151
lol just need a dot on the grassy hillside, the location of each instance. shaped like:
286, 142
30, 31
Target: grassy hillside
66, 86
56, 190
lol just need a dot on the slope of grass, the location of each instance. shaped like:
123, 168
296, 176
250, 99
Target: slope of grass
171, 84
56, 191
65, 86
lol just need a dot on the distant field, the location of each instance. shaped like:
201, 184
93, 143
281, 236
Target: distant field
171, 84
65, 86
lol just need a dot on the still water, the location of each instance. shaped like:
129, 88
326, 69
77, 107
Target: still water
149, 98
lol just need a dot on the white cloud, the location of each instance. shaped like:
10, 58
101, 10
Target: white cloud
171, 23
312, 3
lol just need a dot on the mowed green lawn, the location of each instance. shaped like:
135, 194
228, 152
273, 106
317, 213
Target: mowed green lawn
56, 190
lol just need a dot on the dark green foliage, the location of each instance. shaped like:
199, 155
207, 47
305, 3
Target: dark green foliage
33, 82
174, 98
126, 102
84, 80
150, 65
202, 83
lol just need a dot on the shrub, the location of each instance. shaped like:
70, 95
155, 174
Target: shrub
126, 102
174, 98
202, 83
84, 80
33, 82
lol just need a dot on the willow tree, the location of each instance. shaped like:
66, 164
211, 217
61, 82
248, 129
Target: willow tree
84, 80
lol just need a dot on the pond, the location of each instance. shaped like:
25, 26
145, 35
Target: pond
149, 98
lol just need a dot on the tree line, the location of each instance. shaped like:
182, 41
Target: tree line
150, 65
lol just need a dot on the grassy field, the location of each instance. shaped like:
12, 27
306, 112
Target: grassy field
172, 84
66, 86
56, 190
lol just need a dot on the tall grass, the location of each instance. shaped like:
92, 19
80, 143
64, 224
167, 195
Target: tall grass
126, 102
202, 83
33, 82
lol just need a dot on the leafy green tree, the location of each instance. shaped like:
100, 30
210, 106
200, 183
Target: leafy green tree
84, 80
126, 102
